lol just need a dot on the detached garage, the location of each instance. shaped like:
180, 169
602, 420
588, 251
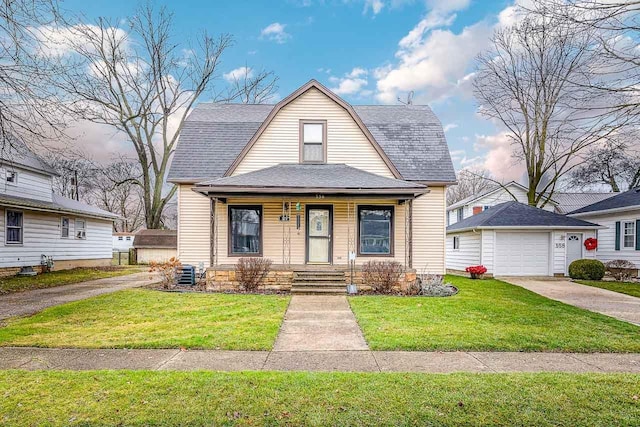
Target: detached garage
514, 239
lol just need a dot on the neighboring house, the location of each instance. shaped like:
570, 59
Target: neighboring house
562, 202
123, 241
515, 239
620, 215
155, 245
36, 224
309, 181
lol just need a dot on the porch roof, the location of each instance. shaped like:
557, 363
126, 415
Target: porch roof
310, 179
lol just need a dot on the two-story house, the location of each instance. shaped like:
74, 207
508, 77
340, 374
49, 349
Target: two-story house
311, 183
37, 225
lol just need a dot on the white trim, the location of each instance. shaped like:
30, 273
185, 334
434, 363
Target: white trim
623, 224
14, 182
62, 218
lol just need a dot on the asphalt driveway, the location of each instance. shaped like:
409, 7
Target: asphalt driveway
614, 304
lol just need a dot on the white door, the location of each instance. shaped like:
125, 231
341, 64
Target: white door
319, 235
522, 254
574, 247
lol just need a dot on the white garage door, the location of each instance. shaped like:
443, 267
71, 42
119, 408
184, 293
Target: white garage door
522, 254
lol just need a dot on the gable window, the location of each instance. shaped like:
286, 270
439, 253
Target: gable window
460, 214
313, 141
128, 238
629, 235
119, 237
64, 228
81, 229
375, 230
12, 177
245, 230
456, 242
13, 228
485, 207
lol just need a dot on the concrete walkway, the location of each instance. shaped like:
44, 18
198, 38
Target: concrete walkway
345, 361
319, 323
30, 302
614, 304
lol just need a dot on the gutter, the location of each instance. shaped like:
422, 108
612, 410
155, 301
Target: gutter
606, 211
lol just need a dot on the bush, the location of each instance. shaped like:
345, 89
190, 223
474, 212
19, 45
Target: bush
621, 269
476, 271
382, 276
586, 269
251, 271
168, 271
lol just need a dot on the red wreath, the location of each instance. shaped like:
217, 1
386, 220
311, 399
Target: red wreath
591, 243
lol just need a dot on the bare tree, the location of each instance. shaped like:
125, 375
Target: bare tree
533, 81
614, 165
143, 84
250, 89
470, 183
27, 97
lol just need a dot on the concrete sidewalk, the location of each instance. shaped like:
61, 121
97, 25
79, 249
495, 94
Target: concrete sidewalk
344, 361
30, 302
319, 323
614, 304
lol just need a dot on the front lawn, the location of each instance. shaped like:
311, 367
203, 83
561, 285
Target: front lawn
628, 288
315, 399
61, 277
489, 315
139, 318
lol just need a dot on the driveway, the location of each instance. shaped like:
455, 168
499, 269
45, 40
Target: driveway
614, 304
30, 302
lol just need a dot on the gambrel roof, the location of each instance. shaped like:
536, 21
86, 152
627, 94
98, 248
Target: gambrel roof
409, 138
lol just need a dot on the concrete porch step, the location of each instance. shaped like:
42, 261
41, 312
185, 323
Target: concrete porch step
320, 285
320, 290
319, 279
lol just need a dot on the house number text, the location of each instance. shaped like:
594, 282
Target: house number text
559, 245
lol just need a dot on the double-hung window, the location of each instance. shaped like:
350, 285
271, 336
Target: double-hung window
81, 229
14, 227
460, 214
629, 235
64, 228
245, 230
313, 141
12, 178
456, 242
375, 230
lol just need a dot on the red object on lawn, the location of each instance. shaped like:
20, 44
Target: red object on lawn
476, 271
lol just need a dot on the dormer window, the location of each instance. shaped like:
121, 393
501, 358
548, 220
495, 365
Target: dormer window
12, 177
313, 141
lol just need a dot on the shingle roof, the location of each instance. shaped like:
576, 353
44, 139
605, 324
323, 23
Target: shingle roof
214, 135
58, 204
485, 192
14, 151
568, 202
308, 176
159, 239
628, 199
516, 214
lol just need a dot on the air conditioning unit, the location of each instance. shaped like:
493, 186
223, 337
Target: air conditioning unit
81, 234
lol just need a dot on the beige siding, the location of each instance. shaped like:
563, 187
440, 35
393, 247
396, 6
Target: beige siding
42, 235
147, 255
273, 229
194, 226
346, 143
429, 231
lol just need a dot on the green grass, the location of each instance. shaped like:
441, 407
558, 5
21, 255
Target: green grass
59, 278
489, 315
140, 318
628, 288
104, 398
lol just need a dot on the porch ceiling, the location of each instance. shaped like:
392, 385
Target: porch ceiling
309, 179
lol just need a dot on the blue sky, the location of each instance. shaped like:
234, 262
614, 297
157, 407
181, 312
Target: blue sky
368, 51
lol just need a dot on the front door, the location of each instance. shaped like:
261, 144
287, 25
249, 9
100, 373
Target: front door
319, 225
574, 247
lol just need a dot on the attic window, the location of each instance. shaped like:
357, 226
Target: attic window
12, 177
313, 141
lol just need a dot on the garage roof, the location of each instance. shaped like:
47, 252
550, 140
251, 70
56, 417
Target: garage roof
518, 215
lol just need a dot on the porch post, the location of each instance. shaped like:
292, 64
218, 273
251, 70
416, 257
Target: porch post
408, 233
212, 232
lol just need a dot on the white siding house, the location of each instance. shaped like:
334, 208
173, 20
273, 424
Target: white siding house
36, 225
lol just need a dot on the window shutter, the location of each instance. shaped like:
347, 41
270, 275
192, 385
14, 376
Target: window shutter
617, 235
637, 234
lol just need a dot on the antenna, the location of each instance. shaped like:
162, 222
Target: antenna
409, 100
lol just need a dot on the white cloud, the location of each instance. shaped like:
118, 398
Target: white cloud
275, 32
499, 159
376, 6
61, 41
351, 83
450, 126
238, 74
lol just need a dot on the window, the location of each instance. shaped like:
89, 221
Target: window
119, 237
460, 214
245, 230
456, 242
64, 229
375, 230
81, 229
14, 227
128, 238
448, 217
485, 207
313, 137
12, 177
629, 235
